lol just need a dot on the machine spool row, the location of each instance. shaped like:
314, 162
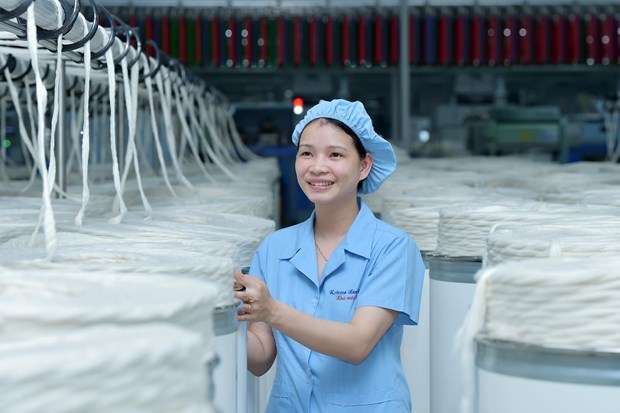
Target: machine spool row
438, 36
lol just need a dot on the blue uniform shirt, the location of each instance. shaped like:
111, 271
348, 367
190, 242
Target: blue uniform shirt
375, 265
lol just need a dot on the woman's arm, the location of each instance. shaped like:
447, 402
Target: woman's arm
351, 341
261, 348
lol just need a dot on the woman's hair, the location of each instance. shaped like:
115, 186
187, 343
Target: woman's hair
361, 151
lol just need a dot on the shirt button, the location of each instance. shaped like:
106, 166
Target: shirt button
315, 300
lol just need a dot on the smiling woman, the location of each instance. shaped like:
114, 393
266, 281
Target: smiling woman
330, 296
329, 163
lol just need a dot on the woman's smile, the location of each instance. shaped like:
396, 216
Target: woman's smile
321, 184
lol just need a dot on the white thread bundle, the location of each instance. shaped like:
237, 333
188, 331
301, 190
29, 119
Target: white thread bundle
577, 237
463, 229
85, 139
595, 195
157, 368
554, 302
43, 297
419, 222
134, 253
550, 180
185, 93
163, 250
47, 215
17, 244
415, 182
240, 198
246, 242
449, 176
249, 224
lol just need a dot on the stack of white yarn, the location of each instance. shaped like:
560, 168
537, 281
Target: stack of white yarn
245, 241
582, 236
463, 229
238, 223
210, 261
41, 302
119, 318
419, 222
153, 368
412, 180
560, 301
43, 297
594, 195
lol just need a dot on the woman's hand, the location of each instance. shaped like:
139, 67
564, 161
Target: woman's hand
257, 301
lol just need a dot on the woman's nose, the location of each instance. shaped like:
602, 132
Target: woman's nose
318, 165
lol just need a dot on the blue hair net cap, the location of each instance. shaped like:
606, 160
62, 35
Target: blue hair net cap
355, 117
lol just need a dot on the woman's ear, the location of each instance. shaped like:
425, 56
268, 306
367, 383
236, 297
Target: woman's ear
366, 165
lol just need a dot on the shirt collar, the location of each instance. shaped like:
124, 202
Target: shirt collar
357, 241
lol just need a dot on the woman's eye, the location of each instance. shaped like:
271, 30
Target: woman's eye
336, 155
306, 153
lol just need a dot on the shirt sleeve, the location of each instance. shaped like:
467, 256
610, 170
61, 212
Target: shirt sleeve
395, 281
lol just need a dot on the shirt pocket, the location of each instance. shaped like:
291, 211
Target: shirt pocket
368, 400
280, 400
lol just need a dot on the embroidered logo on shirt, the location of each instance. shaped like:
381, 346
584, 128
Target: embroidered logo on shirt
344, 295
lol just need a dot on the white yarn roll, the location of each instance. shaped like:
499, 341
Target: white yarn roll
210, 240
38, 298
576, 238
64, 208
211, 261
246, 243
243, 224
233, 197
151, 368
595, 195
463, 229
447, 195
551, 180
420, 223
418, 211
19, 236
414, 182
555, 302
486, 165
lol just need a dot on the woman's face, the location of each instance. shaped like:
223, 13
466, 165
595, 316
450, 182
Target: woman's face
328, 166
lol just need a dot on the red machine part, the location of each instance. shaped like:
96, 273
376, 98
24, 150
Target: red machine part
592, 27
478, 37
574, 50
462, 38
329, 41
609, 38
526, 34
445, 39
509, 37
541, 41
493, 39
558, 38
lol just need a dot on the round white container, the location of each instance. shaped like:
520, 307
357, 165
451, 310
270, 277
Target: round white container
415, 353
515, 378
451, 292
229, 365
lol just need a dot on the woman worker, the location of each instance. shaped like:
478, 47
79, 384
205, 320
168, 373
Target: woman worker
330, 296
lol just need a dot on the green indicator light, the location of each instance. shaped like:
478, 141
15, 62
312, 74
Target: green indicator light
6, 143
